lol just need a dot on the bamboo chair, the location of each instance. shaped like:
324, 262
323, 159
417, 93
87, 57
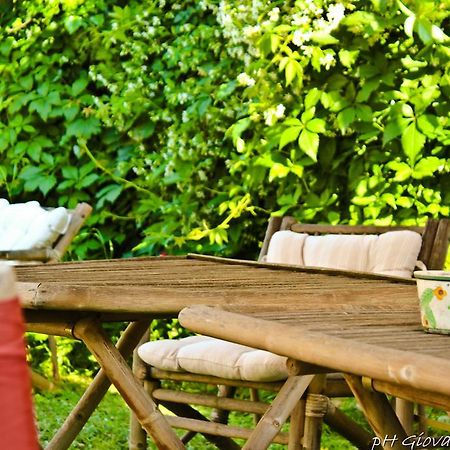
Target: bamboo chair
309, 413
51, 253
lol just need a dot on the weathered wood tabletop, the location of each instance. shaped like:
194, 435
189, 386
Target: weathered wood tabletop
359, 309
149, 286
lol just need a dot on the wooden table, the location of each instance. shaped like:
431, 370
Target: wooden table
378, 344
74, 299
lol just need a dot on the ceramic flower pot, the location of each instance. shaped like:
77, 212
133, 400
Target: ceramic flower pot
434, 294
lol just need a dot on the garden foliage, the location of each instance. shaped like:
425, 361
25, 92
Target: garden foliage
186, 123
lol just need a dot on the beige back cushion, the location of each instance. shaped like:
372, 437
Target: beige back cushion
27, 225
391, 253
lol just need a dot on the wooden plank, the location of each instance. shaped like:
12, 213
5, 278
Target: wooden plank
350, 229
321, 349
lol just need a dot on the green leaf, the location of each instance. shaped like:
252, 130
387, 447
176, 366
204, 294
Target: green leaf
289, 135
278, 171
426, 167
316, 125
412, 142
34, 150
47, 183
424, 31
72, 23
402, 170
293, 69
70, 173
312, 97
309, 143
323, 38
367, 89
394, 129
345, 118
429, 125
347, 57
83, 128
79, 86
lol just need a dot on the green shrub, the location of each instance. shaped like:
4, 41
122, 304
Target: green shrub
174, 119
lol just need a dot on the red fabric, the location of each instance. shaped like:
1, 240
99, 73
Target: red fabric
17, 426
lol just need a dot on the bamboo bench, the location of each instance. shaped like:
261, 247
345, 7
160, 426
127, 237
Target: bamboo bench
433, 249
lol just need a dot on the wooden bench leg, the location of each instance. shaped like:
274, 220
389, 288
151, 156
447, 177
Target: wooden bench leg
89, 330
315, 410
297, 425
378, 412
95, 392
272, 421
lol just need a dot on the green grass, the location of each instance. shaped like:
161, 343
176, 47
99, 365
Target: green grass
107, 429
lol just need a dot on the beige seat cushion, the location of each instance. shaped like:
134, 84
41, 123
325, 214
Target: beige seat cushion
24, 226
209, 356
391, 253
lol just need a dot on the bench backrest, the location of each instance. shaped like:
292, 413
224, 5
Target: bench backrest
48, 246
433, 250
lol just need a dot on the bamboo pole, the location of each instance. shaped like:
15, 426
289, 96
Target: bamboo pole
271, 422
191, 419
321, 349
95, 392
297, 425
219, 429
379, 414
212, 401
90, 331
41, 383
347, 427
315, 410
209, 379
137, 439
405, 413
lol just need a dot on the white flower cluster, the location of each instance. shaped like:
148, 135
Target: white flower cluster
272, 115
245, 80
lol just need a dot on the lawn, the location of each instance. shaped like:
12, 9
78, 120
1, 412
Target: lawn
108, 427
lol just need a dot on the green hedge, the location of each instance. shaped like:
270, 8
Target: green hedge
186, 123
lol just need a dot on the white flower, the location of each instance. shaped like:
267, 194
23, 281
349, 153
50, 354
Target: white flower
300, 37
245, 80
327, 60
250, 31
274, 15
335, 14
298, 20
279, 111
273, 114
183, 97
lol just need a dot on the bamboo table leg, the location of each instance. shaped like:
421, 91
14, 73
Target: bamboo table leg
120, 374
95, 392
271, 422
405, 413
379, 414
